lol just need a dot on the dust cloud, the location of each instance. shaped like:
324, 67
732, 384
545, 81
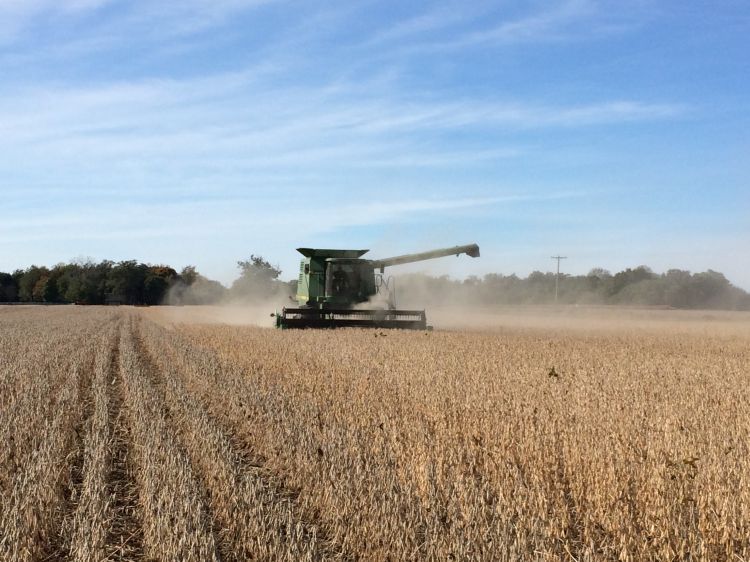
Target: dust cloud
229, 314
541, 319
251, 300
460, 311
247, 310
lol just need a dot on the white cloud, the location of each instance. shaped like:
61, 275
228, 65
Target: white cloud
139, 17
556, 21
18, 15
545, 25
447, 15
236, 116
250, 216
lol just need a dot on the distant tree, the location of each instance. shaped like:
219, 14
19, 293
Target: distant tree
258, 269
154, 289
40, 288
29, 289
96, 280
126, 281
258, 279
50, 292
677, 288
136, 283
83, 281
646, 292
540, 287
8, 288
189, 275
597, 279
628, 277
72, 284
157, 282
205, 291
709, 289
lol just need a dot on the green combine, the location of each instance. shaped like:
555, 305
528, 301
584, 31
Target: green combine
337, 287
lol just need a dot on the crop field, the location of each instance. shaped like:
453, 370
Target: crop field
159, 434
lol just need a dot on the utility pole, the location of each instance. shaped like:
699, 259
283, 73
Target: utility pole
557, 277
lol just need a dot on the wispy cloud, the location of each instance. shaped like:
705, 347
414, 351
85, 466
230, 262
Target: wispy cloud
235, 115
189, 219
18, 15
567, 20
190, 16
547, 25
140, 18
446, 16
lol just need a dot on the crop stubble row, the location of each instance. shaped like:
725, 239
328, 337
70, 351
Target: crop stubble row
464, 445
124, 464
140, 441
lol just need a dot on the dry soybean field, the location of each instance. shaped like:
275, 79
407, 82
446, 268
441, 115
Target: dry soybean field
151, 434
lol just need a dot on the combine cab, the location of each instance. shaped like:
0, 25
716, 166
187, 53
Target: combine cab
335, 289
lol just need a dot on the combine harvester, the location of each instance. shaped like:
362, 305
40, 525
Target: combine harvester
334, 285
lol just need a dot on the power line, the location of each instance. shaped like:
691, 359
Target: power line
557, 276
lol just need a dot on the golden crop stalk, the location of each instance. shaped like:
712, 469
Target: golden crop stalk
129, 436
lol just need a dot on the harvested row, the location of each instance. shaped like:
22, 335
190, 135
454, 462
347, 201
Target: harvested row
344, 474
40, 427
91, 525
32, 511
243, 413
176, 525
258, 523
126, 539
36, 358
136, 442
415, 446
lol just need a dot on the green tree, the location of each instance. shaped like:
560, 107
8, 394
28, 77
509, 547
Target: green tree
157, 282
126, 281
154, 289
628, 277
203, 291
8, 288
258, 279
27, 284
51, 292
258, 269
677, 288
709, 289
189, 275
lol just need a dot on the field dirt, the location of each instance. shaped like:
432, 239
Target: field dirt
519, 433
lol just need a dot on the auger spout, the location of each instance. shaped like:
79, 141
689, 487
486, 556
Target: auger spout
471, 250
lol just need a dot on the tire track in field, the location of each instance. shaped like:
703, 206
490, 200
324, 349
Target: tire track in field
102, 521
175, 519
258, 520
125, 540
60, 545
30, 520
43, 500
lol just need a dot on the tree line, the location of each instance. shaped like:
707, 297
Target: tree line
134, 283
638, 286
126, 282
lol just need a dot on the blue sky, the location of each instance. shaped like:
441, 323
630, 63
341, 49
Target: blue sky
199, 132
